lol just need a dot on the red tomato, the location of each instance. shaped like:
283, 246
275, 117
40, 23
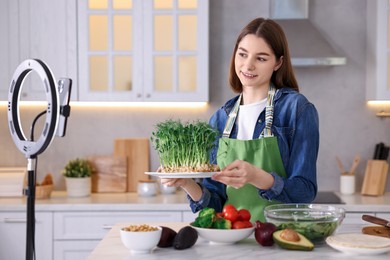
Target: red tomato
230, 213
219, 215
239, 224
248, 224
244, 215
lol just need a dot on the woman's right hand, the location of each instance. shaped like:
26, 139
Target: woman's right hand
179, 182
188, 185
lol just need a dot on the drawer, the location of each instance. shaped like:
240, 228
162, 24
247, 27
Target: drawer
94, 225
74, 250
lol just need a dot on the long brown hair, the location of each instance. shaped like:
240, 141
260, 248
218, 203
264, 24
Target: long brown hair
274, 35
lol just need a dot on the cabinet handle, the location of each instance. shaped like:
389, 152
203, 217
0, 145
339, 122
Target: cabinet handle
106, 226
139, 95
148, 95
15, 220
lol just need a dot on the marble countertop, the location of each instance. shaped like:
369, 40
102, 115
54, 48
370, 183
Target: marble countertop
111, 247
168, 202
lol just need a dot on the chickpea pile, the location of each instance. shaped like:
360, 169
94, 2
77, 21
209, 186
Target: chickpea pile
140, 228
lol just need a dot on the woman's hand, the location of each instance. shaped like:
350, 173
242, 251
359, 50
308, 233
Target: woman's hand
239, 173
188, 185
174, 182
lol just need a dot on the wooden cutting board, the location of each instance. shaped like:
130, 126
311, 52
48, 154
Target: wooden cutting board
110, 173
137, 154
377, 231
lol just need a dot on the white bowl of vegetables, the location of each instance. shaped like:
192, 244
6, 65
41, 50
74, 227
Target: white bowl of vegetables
226, 227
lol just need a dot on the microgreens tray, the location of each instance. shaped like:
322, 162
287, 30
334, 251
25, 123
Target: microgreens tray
174, 175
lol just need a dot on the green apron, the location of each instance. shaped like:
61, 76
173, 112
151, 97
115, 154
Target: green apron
262, 152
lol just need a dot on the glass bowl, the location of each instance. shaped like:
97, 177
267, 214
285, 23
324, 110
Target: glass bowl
314, 221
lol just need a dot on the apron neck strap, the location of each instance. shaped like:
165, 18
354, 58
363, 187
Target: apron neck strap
269, 113
232, 118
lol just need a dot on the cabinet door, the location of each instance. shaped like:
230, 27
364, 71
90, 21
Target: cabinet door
378, 50
8, 45
176, 50
40, 29
94, 225
143, 50
74, 250
13, 235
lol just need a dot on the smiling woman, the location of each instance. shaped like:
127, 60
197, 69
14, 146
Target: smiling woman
269, 137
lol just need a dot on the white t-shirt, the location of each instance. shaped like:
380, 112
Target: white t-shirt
247, 118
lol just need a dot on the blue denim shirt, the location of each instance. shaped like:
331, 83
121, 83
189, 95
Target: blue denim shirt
295, 125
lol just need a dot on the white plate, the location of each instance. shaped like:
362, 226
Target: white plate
355, 243
173, 175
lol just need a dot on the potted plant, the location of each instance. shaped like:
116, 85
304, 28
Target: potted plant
77, 175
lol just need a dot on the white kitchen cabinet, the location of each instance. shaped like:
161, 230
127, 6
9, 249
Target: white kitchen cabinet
71, 250
143, 50
40, 29
378, 50
8, 45
76, 234
13, 235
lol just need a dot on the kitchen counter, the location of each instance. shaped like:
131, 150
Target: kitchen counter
111, 247
100, 201
178, 201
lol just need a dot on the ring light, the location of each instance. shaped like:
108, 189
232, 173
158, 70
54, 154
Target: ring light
33, 148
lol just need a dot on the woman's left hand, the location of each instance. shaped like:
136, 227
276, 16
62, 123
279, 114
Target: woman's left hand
239, 173
236, 174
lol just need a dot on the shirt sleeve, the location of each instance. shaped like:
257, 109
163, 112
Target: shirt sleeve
275, 190
213, 196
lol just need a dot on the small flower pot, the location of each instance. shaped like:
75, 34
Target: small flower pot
78, 187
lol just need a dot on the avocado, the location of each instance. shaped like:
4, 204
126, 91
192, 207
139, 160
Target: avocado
167, 237
292, 240
185, 238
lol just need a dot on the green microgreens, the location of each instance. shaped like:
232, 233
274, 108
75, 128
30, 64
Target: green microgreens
184, 145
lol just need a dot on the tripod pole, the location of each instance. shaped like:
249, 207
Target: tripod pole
30, 192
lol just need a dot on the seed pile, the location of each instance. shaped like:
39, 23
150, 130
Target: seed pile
139, 228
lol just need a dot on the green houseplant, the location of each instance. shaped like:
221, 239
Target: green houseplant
77, 168
77, 175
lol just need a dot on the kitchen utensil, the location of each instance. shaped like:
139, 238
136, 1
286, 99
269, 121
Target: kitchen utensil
376, 220
347, 184
377, 231
354, 164
137, 152
378, 150
340, 164
110, 173
384, 153
375, 178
